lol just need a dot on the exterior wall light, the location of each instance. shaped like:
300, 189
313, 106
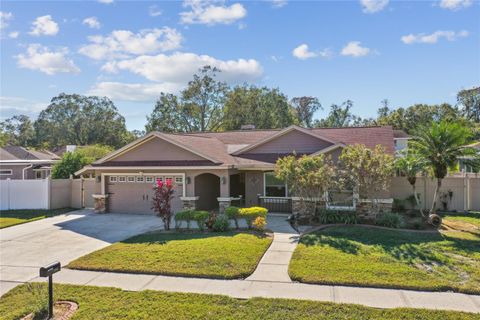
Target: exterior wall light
188, 180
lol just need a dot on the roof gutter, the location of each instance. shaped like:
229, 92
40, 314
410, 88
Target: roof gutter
23, 170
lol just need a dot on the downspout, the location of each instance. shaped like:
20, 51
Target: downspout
23, 170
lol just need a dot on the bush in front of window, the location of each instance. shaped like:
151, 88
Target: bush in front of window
327, 216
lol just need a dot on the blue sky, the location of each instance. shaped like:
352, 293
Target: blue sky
365, 51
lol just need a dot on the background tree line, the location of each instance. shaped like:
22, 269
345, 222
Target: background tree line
208, 104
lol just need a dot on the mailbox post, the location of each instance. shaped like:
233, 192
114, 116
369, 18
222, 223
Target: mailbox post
48, 271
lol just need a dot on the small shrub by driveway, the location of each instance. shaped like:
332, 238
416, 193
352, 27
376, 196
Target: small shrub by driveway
362, 256
10, 218
224, 255
111, 303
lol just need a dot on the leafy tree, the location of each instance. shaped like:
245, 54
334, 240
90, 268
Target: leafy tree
440, 144
17, 131
71, 162
469, 101
162, 201
407, 119
305, 107
198, 108
370, 170
410, 165
341, 116
263, 107
307, 177
94, 152
68, 165
80, 120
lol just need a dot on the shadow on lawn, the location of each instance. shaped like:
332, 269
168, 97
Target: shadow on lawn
403, 246
161, 237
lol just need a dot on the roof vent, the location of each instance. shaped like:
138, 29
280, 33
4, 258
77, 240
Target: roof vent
247, 127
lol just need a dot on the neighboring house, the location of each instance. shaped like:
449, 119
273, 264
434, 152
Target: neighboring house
464, 165
21, 163
215, 168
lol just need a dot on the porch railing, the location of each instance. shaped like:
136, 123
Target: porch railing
276, 204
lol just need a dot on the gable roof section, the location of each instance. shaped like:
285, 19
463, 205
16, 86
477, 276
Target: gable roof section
281, 133
18, 153
170, 138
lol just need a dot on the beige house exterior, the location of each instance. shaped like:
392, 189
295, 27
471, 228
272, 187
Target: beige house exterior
212, 170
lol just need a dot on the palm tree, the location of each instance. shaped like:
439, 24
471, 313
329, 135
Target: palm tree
410, 165
440, 144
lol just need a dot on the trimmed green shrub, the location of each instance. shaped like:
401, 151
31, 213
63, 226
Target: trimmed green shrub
328, 216
398, 205
201, 218
186, 215
250, 214
221, 223
232, 213
390, 220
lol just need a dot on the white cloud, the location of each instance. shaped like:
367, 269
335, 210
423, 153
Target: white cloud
211, 12
179, 67
455, 4
373, 6
47, 61
92, 22
433, 37
302, 52
279, 3
5, 18
132, 91
14, 34
12, 106
154, 11
105, 1
354, 49
122, 43
44, 25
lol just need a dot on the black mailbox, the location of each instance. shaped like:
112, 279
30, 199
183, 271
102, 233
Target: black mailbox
52, 268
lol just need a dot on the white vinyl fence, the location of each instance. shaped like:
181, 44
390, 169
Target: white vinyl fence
24, 194
463, 188
47, 193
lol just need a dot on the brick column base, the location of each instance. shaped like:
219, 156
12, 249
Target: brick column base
100, 203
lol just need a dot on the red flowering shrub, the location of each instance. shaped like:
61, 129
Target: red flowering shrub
162, 198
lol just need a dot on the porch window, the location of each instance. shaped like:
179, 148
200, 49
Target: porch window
274, 187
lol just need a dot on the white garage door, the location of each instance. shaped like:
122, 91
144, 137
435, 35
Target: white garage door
133, 194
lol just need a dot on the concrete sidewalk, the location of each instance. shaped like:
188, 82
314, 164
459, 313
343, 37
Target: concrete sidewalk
379, 298
273, 266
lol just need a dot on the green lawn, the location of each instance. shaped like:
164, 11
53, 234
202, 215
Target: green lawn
470, 217
10, 218
354, 255
214, 255
110, 303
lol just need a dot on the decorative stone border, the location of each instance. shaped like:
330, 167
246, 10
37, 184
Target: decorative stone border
72, 307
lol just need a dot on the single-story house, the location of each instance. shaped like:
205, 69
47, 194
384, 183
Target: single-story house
21, 163
214, 169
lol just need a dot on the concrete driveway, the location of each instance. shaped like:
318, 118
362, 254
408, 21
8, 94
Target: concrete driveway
27, 247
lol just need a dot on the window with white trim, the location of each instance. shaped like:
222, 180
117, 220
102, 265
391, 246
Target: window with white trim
122, 179
274, 187
168, 180
179, 180
140, 179
131, 178
113, 178
149, 179
6, 172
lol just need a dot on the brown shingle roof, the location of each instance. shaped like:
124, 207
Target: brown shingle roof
21, 153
